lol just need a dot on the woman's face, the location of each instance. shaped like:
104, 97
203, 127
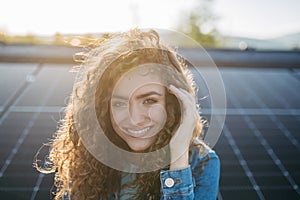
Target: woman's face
138, 107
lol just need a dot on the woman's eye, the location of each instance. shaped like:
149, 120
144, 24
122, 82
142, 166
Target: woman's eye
119, 104
150, 101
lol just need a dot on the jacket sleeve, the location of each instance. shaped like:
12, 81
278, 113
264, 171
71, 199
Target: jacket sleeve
190, 183
177, 184
207, 183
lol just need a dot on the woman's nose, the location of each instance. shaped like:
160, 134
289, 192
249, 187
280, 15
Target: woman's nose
138, 114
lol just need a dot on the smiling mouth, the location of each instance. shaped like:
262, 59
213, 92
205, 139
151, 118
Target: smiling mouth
138, 133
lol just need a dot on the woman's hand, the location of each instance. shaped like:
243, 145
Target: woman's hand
179, 144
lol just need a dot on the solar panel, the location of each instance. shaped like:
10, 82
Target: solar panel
259, 147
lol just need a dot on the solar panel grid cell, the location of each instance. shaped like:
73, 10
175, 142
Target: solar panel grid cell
264, 142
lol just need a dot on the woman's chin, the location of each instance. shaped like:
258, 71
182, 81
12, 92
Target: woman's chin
139, 146
136, 148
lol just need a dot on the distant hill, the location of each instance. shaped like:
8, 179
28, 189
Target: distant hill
291, 41
286, 42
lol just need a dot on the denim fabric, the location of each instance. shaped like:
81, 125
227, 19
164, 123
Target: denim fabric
190, 182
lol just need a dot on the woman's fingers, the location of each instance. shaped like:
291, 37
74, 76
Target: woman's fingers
184, 96
188, 104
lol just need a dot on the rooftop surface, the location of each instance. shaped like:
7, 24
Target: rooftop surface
259, 147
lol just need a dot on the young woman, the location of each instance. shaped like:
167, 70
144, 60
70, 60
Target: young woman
132, 129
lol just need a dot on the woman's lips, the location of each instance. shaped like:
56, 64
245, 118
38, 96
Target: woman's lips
137, 133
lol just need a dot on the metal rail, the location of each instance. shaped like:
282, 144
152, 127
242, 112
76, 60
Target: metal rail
221, 57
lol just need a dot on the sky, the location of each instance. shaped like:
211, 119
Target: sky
247, 18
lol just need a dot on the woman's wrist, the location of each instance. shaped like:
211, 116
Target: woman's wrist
181, 162
179, 147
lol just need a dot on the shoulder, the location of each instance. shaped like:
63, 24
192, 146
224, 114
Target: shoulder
205, 166
202, 154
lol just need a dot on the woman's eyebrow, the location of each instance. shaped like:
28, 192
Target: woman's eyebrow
138, 97
148, 94
119, 97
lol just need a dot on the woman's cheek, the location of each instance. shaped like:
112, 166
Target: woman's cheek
119, 115
158, 114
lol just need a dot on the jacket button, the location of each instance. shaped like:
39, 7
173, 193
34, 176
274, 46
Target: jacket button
169, 182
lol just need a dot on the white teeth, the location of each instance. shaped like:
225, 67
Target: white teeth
139, 132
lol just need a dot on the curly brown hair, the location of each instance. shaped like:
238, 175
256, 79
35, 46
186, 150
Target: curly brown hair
77, 171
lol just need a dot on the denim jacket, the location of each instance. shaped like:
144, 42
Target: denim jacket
190, 182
